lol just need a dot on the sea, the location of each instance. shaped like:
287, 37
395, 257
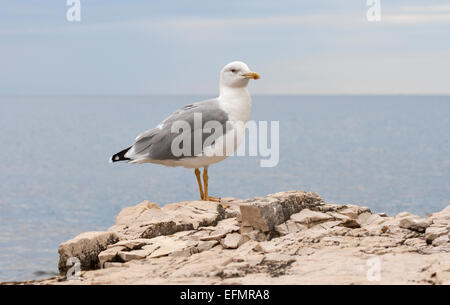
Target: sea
389, 153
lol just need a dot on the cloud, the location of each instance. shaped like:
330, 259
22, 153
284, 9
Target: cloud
417, 19
427, 9
189, 23
285, 20
320, 50
414, 73
410, 15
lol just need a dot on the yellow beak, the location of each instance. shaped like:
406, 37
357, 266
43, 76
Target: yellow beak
253, 75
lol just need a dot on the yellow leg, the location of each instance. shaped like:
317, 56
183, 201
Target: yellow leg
205, 180
199, 181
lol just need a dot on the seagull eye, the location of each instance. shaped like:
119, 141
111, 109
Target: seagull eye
233, 70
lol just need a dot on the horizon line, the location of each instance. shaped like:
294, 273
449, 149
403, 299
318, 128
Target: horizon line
204, 94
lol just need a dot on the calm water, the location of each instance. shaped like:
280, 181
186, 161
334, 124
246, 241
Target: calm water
391, 153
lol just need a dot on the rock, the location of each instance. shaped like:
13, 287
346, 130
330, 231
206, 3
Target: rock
256, 235
350, 211
255, 259
127, 250
185, 252
265, 213
350, 223
266, 247
129, 215
223, 228
282, 258
283, 238
109, 255
309, 218
293, 227
228, 225
433, 232
418, 243
339, 231
289, 226
132, 243
147, 220
314, 234
345, 221
442, 217
368, 219
217, 235
332, 240
233, 241
234, 270
331, 224
146, 250
206, 245
247, 247
113, 264
282, 229
168, 246
127, 256
150, 248
439, 241
374, 224
85, 247
233, 207
415, 223
353, 211
360, 232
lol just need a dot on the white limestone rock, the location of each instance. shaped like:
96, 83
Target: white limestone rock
85, 247
233, 241
309, 218
264, 213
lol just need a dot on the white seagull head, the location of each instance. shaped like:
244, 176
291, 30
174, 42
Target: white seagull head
236, 75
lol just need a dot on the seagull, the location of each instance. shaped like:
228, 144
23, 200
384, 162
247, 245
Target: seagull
226, 115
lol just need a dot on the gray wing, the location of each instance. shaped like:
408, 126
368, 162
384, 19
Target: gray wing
156, 143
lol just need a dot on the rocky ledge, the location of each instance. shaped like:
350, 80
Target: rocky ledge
284, 238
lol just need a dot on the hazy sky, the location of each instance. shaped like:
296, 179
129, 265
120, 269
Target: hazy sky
178, 47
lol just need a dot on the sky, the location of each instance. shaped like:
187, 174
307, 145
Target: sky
178, 47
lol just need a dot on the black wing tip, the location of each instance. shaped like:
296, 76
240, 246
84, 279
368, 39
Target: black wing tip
120, 156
